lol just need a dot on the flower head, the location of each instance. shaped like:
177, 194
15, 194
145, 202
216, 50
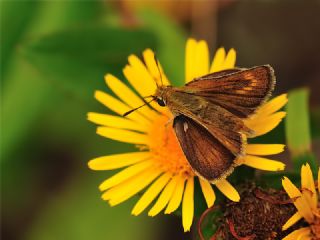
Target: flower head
159, 164
306, 201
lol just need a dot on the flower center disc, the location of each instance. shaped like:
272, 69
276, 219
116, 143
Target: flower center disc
165, 148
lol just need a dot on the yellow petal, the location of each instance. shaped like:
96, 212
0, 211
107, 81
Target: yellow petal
148, 56
230, 59
117, 160
176, 197
295, 235
128, 96
218, 60
145, 87
142, 77
264, 149
299, 201
201, 59
164, 197
263, 163
119, 107
208, 192
190, 57
123, 135
135, 80
262, 126
130, 187
228, 190
291, 221
188, 205
308, 187
152, 192
116, 122
272, 106
125, 174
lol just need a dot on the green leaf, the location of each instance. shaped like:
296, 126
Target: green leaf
211, 223
77, 212
23, 99
75, 60
242, 174
17, 15
297, 122
307, 157
27, 92
273, 180
297, 126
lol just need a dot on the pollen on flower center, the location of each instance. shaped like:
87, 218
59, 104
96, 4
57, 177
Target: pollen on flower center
165, 148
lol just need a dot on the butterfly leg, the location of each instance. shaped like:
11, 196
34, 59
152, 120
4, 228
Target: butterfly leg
169, 121
167, 125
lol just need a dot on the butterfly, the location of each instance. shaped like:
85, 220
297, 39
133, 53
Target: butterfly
209, 112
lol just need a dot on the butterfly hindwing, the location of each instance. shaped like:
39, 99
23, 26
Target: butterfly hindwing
222, 124
240, 91
206, 155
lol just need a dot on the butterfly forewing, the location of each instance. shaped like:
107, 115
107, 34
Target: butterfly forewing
206, 155
224, 126
239, 91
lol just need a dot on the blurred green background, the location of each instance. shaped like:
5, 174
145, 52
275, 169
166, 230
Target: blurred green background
54, 54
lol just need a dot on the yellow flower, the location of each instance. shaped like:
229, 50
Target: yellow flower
306, 201
159, 163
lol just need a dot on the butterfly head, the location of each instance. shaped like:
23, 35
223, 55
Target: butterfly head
161, 95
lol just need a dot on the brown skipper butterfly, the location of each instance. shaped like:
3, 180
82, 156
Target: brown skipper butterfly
208, 115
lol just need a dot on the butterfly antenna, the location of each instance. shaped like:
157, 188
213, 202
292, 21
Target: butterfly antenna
156, 60
134, 109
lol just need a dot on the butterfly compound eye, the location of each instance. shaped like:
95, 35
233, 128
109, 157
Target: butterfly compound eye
161, 102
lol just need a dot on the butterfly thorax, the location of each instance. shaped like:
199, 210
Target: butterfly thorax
161, 95
177, 100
